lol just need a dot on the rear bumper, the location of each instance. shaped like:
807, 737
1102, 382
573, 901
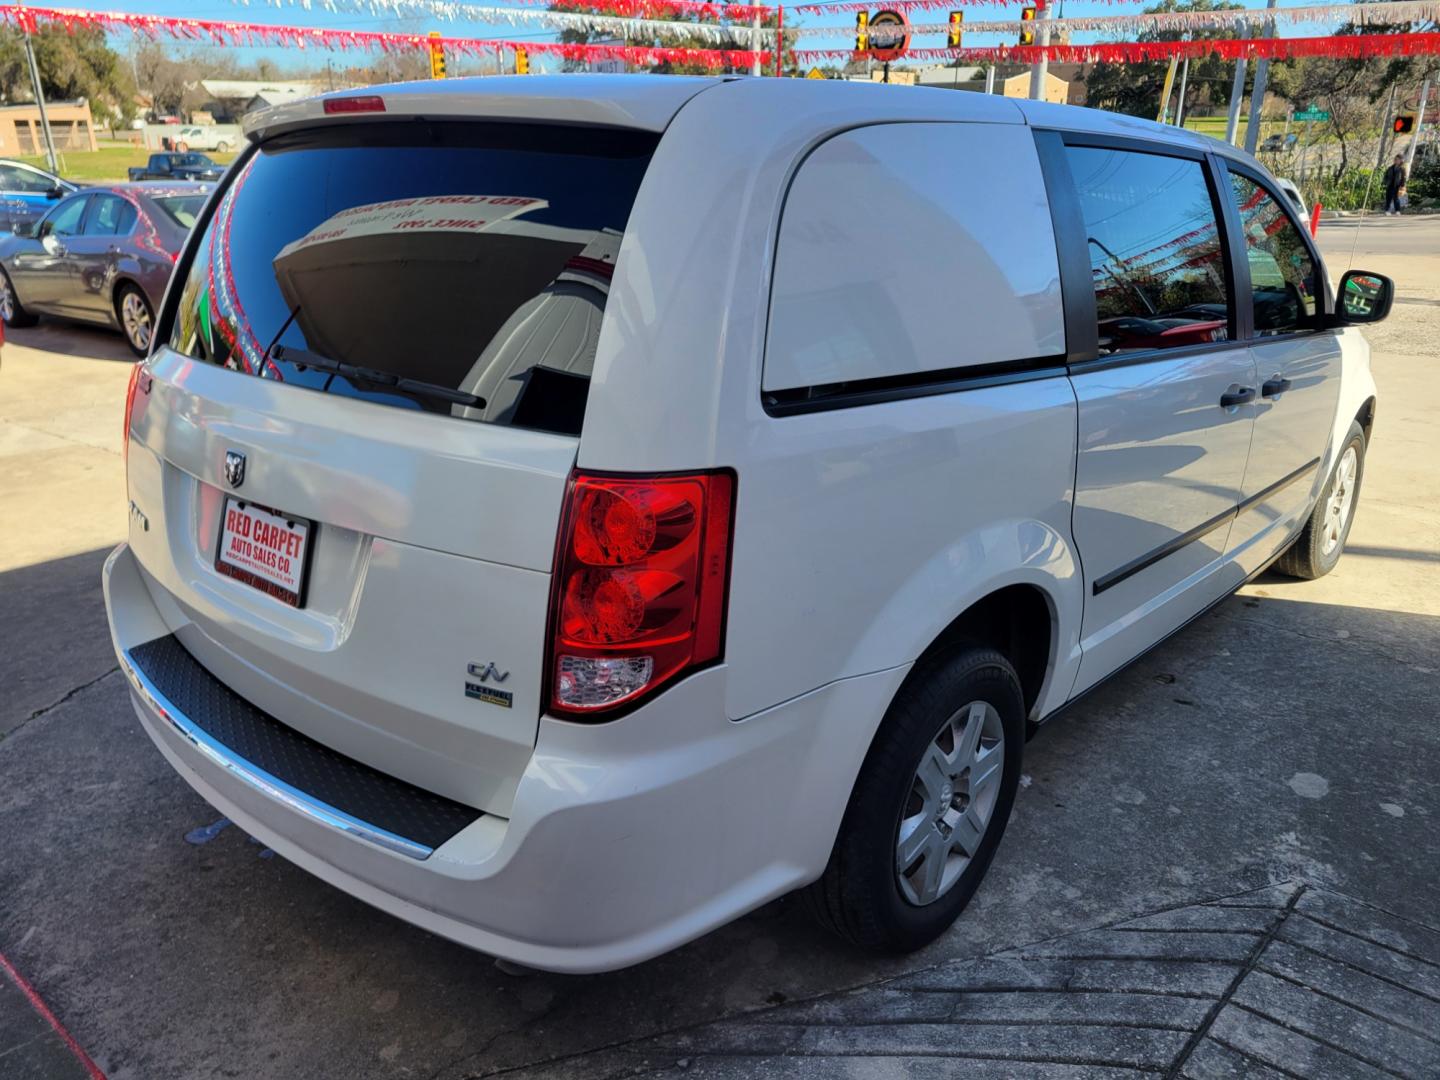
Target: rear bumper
625, 839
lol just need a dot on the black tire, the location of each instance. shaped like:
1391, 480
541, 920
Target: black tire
18, 317
127, 294
859, 895
1315, 551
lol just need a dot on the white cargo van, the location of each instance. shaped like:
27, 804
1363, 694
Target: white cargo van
568, 513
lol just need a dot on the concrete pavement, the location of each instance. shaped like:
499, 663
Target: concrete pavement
1288, 737
1282, 981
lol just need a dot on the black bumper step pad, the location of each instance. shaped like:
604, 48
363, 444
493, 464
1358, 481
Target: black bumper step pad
373, 797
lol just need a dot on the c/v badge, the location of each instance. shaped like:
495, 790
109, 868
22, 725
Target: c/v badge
489, 694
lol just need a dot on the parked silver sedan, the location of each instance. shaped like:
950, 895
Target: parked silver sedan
102, 255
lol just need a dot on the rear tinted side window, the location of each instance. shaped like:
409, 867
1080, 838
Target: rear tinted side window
907, 250
109, 215
1156, 257
394, 262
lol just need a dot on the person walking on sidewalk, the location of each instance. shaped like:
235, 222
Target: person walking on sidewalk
1395, 186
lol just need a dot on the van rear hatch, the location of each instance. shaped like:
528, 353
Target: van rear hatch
350, 457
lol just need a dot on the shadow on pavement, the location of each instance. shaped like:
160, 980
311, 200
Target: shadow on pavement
53, 634
1373, 551
72, 339
1272, 740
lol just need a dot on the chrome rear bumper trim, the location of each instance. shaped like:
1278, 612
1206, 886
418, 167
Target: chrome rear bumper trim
254, 776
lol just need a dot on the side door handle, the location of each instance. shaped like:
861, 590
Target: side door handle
1275, 387
1237, 395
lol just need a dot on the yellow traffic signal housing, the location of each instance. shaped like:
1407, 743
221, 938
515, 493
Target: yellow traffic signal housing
957, 23
862, 31
522, 62
1404, 124
437, 56
1027, 35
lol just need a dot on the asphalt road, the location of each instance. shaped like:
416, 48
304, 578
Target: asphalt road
1289, 736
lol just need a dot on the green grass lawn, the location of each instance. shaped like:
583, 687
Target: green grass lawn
1214, 126
110, 162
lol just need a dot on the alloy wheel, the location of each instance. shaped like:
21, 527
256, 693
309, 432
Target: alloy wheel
950, 803
135, 316
1340, 502
7, 299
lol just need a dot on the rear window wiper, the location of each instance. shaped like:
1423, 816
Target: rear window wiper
306, 359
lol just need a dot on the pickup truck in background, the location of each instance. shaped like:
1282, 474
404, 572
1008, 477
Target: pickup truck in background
204, 138
176, 165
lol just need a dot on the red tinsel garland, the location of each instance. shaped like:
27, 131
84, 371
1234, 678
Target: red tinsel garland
224, 32
1345, 46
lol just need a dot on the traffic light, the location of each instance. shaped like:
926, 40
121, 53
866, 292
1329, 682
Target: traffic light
437, 56
862, 31
522, 62
957, 22
1027, 34
1404, 124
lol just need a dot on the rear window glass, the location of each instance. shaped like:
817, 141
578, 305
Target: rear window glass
456, 268
181, 209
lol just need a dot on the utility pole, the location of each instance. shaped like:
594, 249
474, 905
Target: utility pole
1419, 125
1257, 95
780, 40
1386, 129
755, 43
990, 79
1180, 102
1237, 88
40, 101
1037, 71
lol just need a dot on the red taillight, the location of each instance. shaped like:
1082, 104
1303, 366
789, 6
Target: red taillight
640, 582
129, 402
355, 103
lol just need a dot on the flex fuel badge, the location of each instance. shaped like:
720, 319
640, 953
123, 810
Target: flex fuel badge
503, 698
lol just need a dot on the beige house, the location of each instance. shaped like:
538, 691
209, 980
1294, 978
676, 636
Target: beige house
1009, 81
70, 126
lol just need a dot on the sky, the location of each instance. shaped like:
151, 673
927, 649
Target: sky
296, 15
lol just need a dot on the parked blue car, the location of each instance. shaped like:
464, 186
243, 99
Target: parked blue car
26, 193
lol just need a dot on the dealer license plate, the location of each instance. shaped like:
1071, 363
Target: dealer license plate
262, 548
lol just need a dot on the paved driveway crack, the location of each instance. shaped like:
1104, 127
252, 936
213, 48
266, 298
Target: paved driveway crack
68, 695
1250, 962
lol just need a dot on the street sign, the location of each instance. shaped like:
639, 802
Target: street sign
889, 36
1312, 115
814, 73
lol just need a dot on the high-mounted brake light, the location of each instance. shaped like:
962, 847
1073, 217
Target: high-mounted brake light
129, 403
640, 581
355, 103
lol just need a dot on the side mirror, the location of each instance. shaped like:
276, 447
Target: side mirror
1364, 297
56, 192
24, 228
